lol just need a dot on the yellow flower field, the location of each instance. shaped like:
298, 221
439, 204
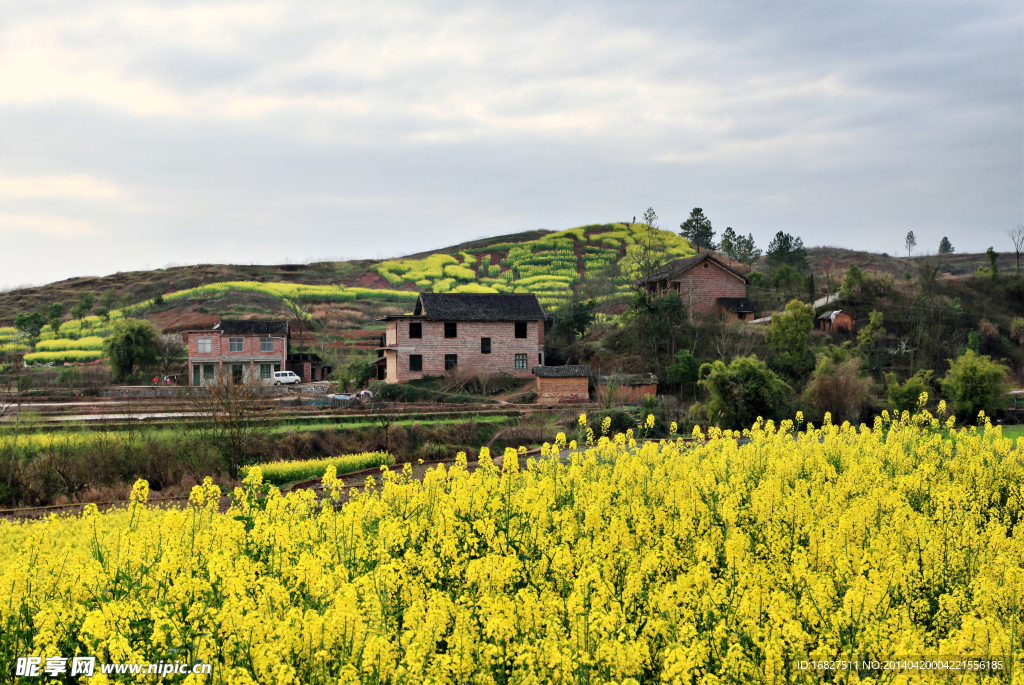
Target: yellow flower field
679, 562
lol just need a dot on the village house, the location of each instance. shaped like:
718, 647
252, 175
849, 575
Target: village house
705, 285
835, 321
562, 384
244, 349
477, 333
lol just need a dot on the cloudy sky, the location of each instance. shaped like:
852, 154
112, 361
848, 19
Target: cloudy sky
141, 134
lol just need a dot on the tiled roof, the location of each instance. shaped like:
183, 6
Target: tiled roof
252, 327
568, 371
677, 266
628, 379
737, 304
479, 307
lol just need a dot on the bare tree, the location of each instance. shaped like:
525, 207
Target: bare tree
646, 254
1017, 236
170, 351
300, 316
230, 415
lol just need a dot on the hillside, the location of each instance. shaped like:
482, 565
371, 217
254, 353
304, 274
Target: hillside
347, 297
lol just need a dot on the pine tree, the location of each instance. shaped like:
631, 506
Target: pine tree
946, 247
697, 229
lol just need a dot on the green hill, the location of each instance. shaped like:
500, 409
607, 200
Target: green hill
349, 295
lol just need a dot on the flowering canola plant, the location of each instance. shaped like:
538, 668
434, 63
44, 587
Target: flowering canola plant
711, 561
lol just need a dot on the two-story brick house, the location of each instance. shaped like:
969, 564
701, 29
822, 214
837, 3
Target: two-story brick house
474, 332
243, 349
705, 285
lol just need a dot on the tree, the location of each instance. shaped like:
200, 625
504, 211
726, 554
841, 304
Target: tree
1017, 236
905, 397
789, 336
744, 391
728, 242
993, 260
301, 316
910, 242
574, 322
170, 351
746, 251
838, 389
228, 415
852, 281
697, 229
946, 247
109, 300
646, 254
30, 324
131, 347
975, 383
84, 306
685, 371
56, 315
785, 249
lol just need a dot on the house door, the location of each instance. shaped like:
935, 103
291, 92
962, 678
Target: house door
236, 373
195, 374
382, 371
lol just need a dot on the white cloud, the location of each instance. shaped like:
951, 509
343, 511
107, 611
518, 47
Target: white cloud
32, 225
72, 186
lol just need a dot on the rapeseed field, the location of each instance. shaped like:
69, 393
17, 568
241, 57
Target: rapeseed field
715, 560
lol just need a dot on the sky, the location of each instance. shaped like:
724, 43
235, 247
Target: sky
144, 134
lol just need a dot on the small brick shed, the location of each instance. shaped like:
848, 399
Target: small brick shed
627, 388
835, 321
562, 384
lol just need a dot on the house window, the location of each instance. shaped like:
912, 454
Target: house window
485, 345
520, 329
277, 367
415, 329
207, 372
741, 316
264, 370
204, 345
521, 362
235, 344
266, 344
450, 361
415, 362
451, 329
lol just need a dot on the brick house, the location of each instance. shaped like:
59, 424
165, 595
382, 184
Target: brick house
244, 349
478, 333
835, 321
562, 384
705, 285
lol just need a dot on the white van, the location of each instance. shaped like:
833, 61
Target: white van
286, 378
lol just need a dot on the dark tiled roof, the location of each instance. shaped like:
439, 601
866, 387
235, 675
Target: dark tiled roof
679, 265
568, 371
737, 304
628, 379
479, 307
253, 327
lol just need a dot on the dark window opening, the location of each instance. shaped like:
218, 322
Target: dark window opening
450, 361
520, 329
521, 362
277, 367
236, 373
741, 316
485, 345
415, 362
382, 371
451, 329
415, 329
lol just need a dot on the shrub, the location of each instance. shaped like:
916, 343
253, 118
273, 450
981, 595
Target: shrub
975, 383
743, 391
131, 347
1017, 331
905, 397
838, 389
